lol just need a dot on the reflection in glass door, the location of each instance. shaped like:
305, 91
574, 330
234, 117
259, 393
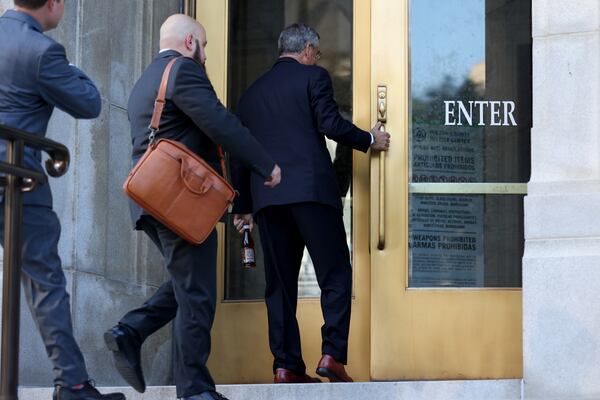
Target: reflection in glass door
254, 27
470, 142
240, 348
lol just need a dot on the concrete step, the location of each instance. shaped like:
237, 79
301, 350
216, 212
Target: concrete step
509, 389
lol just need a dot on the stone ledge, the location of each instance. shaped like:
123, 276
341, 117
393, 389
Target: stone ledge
574, 249
560, 17
553, 188
509, 389
562, 216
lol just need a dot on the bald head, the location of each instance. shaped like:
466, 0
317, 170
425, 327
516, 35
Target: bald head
184, 34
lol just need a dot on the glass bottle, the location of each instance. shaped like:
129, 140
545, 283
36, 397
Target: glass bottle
248, 259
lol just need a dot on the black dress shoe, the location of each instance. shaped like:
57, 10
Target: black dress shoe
210, 395
88, 392
126, 348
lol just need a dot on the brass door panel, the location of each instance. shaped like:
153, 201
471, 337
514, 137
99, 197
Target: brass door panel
423, 333
397, 332
240, 350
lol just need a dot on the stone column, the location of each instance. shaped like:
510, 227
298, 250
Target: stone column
110, 268
561, 266
5, 5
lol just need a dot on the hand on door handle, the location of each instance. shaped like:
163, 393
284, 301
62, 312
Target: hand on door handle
381, 139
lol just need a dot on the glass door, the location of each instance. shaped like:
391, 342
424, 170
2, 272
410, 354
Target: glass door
436, 226
242, 45
446, 298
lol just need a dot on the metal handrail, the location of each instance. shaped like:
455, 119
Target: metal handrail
57, 164
19, 179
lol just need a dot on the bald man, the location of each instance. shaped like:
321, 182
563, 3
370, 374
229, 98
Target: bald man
194, 116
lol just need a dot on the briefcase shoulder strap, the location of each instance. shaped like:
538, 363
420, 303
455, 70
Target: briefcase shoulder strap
159, 105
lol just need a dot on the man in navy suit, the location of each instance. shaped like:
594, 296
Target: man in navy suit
194, 116
290, 110
35, 77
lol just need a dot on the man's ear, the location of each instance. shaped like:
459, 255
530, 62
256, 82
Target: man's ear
307, 51
189, 41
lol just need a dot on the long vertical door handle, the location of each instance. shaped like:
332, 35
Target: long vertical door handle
381, 117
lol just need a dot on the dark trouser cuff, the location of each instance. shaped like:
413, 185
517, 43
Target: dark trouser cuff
295, 368
339, 356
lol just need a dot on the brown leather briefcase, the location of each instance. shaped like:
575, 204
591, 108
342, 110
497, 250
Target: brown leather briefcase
175, 185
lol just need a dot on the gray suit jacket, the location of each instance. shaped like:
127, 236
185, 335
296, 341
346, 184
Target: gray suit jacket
193, 115
35, 77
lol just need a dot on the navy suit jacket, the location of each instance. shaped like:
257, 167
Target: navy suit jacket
290, 110
193, 115
35, 77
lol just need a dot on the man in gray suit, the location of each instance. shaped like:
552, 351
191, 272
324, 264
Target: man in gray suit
35, 77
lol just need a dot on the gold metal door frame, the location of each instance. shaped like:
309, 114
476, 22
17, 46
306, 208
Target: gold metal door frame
397, 333
426, 333
240, 343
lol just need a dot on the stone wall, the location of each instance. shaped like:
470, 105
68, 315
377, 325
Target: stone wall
561, 267
110, 268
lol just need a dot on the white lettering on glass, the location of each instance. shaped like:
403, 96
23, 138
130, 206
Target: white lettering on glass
474, 112
449, 113
481, 105
462, 110
495, 113
509, 107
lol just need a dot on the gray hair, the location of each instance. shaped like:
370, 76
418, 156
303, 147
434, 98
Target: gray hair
295, 37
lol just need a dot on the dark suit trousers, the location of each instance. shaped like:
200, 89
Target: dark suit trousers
284, 231
44, 285
188, 298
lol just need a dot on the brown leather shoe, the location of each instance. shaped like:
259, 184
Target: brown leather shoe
330, 368
283, 375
